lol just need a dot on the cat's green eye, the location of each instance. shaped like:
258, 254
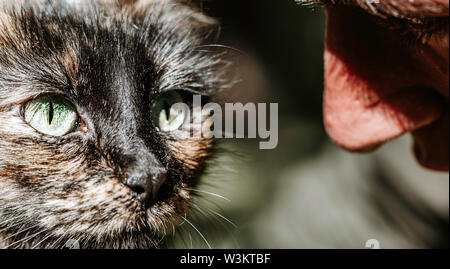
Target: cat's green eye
166, 116
51, 115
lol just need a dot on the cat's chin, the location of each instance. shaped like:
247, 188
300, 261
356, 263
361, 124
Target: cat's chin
150, 225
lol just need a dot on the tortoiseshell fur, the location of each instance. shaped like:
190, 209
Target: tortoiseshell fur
110, 58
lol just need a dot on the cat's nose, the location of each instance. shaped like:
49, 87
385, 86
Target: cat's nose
145, 186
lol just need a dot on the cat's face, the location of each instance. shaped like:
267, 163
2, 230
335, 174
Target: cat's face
82, 155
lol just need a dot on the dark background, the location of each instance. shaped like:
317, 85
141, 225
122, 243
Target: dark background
306, 193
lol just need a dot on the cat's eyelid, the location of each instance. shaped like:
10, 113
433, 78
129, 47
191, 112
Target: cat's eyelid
57, 93
32, 92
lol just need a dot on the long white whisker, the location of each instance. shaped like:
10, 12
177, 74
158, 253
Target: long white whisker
11, 226
21, 231
221, 216
10, 219
221, 46
40, 242
215, 215
211, 193
57, 241
26, 239
195, 228
190, 240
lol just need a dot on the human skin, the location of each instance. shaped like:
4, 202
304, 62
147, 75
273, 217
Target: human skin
378, 86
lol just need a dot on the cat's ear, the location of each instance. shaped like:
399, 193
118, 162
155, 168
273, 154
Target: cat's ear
188, 10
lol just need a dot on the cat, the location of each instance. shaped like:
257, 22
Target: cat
90, 149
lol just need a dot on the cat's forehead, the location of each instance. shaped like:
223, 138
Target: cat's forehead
61, 46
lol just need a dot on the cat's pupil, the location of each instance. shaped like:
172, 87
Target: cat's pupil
166, 107
50, 113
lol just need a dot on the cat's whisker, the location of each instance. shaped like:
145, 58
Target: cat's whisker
56, 241
191, 243
182, 235
221, 46
10, 227
210, 193
40, 242
201, 235
14, 226
21, 230
10, 219
219, 215
71, 238
220, 221
224, 218
26, 239
190, 240
184, 219
29, 238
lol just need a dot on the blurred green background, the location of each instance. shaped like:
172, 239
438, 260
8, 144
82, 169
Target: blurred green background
306, 193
